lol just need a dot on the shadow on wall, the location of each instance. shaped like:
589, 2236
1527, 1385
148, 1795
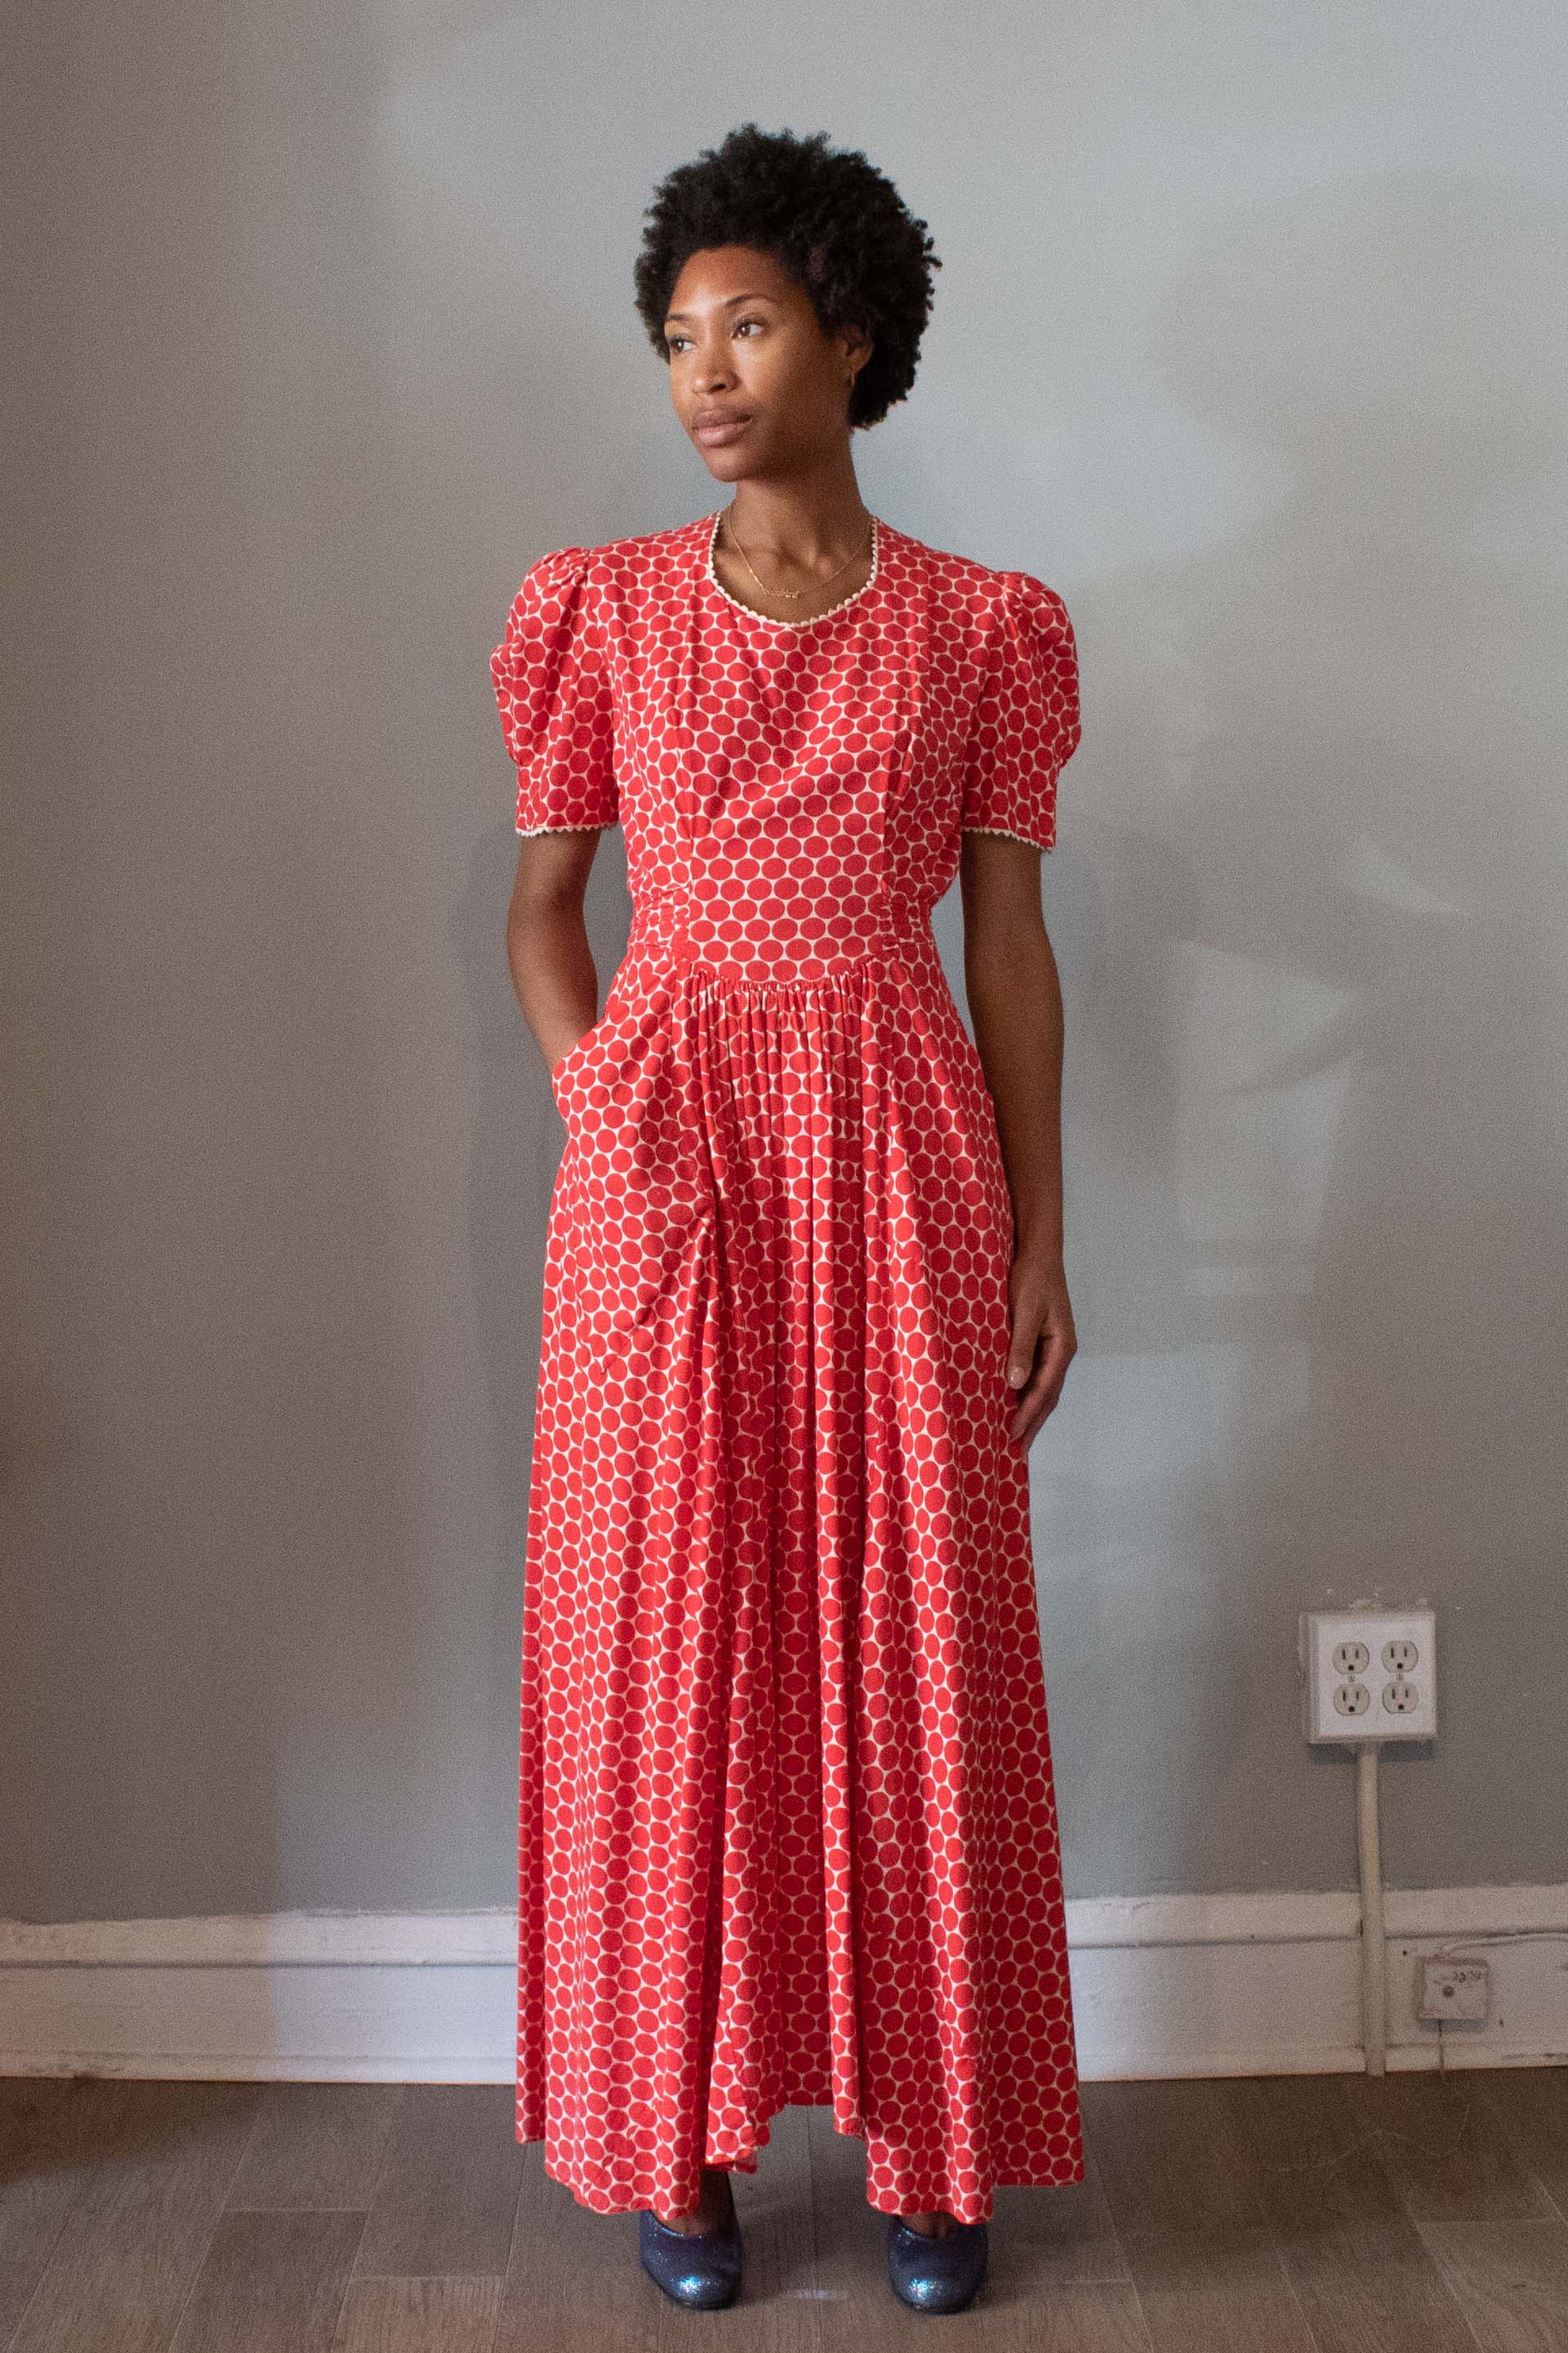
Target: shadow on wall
1313, 941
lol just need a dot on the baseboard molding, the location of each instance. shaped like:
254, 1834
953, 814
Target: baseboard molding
1162, 1986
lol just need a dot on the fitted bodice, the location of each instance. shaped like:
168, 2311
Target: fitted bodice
793, 794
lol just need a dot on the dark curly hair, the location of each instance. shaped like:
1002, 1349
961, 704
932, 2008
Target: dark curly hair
829, 217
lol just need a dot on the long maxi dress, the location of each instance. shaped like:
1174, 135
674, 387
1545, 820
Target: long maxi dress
787, 1828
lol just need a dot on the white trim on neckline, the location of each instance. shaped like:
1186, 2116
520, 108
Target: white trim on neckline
811, 619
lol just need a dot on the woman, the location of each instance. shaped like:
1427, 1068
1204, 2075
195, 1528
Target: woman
787, 1829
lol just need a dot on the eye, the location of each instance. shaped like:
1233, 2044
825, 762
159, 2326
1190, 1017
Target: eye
671, 341
748, 323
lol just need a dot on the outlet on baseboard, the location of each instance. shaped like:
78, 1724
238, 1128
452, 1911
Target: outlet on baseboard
1369, 1674
1453, 1990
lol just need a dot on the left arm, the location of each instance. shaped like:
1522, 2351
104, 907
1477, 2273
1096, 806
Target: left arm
1016, 1004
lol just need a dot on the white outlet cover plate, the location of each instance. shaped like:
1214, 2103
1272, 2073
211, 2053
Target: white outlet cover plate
1460, 1989
1321, 1631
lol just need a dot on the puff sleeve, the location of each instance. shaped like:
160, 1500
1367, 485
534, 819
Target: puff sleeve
1027, 725
553, 691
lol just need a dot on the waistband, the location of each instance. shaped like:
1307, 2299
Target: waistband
782, 939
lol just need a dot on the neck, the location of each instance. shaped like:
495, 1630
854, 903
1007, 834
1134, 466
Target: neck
807, 525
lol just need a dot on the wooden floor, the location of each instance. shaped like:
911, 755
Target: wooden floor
1407, 2213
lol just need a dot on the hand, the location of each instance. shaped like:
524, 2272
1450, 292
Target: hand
1043, 1344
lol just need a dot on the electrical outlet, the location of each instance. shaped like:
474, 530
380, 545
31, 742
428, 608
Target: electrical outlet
1369, 1674
1453, 1989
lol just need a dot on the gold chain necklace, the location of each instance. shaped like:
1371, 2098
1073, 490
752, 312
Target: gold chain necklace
793, 594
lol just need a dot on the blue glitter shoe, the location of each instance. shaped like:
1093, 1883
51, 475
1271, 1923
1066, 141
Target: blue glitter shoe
933, 2274
700, 2269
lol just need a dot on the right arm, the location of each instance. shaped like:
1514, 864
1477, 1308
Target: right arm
554, 696
553, 970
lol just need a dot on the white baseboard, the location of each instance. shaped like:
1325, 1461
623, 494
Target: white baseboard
1162, 1986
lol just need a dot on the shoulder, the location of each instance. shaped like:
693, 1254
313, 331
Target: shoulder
557, 578
551, 594
610, 560
571, 583
554, 610
984, 600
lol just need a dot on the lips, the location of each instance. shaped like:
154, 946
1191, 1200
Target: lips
713, 426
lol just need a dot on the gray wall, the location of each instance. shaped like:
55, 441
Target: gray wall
1248, 339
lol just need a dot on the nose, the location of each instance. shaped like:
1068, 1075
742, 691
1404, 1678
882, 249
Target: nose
712, 369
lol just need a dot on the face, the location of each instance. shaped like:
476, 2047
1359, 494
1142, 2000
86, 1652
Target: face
747, 353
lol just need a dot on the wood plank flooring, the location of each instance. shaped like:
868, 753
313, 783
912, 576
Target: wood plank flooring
1406, 2213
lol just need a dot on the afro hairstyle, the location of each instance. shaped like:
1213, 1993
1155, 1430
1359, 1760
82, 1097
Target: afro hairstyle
829, 217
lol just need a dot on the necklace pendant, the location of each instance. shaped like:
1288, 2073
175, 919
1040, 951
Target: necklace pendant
794, 596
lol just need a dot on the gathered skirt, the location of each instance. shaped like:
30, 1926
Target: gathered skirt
787, 1829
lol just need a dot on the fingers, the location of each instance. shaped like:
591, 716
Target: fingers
1044, 1364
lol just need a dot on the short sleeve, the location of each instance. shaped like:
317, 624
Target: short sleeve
1026, 724
553, 691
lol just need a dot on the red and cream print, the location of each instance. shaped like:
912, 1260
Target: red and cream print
787, 1828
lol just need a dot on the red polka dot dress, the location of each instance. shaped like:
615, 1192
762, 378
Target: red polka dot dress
787, 1829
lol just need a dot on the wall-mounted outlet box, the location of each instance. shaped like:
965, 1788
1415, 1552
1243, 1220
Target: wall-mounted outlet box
1369, 1674
1453, 1990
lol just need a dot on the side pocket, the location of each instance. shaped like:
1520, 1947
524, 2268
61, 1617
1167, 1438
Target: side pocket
558, 1071
963, 1135
613, 1012
638, 1182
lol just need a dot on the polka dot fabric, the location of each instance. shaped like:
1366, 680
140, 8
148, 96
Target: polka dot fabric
787, 1829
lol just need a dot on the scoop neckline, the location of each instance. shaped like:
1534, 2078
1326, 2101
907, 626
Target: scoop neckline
766, 619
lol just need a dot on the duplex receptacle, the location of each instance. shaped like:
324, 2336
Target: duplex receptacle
1369, 1674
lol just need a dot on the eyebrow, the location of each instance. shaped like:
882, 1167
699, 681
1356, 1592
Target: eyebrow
671, 316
